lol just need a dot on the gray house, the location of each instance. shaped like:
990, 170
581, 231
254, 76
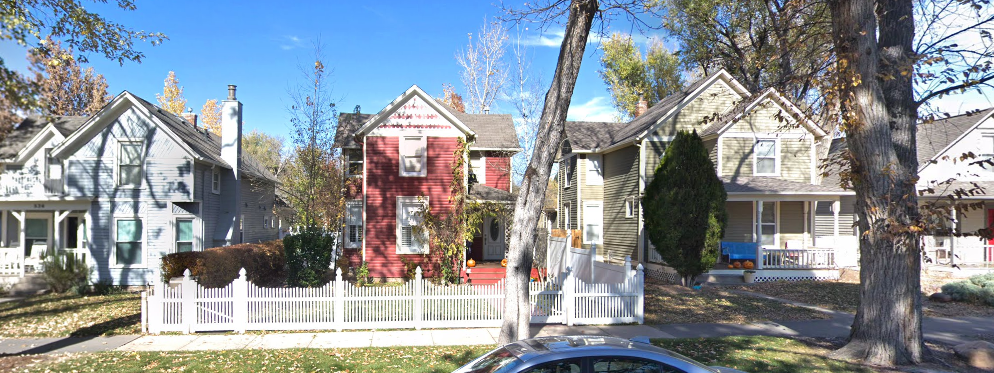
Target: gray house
126, 186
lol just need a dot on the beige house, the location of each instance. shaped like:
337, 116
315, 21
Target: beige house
766, 152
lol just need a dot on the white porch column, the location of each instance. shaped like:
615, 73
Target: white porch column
57, 229
3, 228
759, 234
836, 207
952, 238
20, 216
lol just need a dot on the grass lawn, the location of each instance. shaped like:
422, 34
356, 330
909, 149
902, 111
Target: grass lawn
63, 315
752, 354
844, 296
674, 304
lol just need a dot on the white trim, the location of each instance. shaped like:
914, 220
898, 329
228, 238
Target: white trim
737, 88
481, 177
401, 202
766, 135
144, 242
215, 170
783, 105
719, 157
480, 149
174, 224
383, 114
812, 149
598, 205
658, 138
141, 166
595, 166
776, 157
38, 140
961, 136
348, 243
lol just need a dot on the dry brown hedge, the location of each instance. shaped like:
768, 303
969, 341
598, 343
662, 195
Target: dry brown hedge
264, 264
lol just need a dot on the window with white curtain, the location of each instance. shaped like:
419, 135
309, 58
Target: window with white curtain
413, 155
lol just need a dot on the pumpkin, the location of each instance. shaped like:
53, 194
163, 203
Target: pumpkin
748, 264
730, 266
503, 262
471, 263
738, 264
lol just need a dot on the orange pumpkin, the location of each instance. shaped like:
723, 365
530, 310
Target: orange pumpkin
471, 263
730, 266
503, 262
738, 264
748, 264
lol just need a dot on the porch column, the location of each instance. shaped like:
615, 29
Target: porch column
3, 228
836, 206
57, 229
20, 217
759, 234
952, 238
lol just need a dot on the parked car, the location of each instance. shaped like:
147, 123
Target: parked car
585, 354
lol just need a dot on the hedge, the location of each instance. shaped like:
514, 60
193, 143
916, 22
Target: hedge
217, 267
978, 289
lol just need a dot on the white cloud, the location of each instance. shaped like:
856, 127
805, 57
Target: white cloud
554, 38
290, 42
597, 109
956, 104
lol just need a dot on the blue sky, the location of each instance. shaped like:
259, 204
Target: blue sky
376, 49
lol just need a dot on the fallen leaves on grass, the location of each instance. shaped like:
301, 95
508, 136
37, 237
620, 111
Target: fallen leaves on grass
673, 304
63, 315
759, 354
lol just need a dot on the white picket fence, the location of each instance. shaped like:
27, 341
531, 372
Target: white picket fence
185, 306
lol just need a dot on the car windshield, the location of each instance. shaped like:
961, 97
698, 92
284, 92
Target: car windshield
499, 360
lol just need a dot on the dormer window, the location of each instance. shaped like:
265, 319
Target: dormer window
413, 155
767, 160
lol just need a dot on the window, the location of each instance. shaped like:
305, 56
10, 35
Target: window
128, 250
35, 233
408, 217
624, 364
593, 217
595, 169
129, 163
987, 152
355, 163
566, 216
478, 165
184, 235
630, 207
413, 156
216, 180
559, 366
53, 168
768, 224
766, 158
570, 166
353, 224
241, 228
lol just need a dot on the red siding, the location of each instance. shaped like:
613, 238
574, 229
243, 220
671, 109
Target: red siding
498, 172
384, 184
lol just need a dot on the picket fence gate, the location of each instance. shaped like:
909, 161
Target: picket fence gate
185, 306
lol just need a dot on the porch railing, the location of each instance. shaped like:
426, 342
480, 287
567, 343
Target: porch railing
11, 261
28, 184
810, 258
960, 253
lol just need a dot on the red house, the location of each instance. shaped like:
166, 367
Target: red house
404, 152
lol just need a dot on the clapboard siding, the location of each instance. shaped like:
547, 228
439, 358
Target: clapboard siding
795, 159
257, 207
792, 221
736, 154
824, 219
654, 151
740, 223
621, 173
847, 216
568, 192
767, 117
712, 147
699, 113
590, 192
498, 170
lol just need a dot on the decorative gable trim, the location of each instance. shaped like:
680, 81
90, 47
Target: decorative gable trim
941, 153
391, 108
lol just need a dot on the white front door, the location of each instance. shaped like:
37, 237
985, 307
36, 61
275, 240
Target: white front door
493, 239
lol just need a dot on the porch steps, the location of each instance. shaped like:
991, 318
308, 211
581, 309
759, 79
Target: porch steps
30, 284
490, 275
722, 279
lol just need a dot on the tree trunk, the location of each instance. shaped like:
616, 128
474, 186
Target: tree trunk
879, 117
531, 195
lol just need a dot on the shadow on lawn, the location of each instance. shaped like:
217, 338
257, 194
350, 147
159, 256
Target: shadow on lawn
108, 327
758, 354
458, 359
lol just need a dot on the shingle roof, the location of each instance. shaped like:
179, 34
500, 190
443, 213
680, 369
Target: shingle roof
772, 185
831, 163
203, 142
959, 189
31, 126
934, 137
656, 112
480, 192
592, 135
493, 131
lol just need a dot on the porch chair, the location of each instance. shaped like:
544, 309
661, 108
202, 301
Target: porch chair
35, 260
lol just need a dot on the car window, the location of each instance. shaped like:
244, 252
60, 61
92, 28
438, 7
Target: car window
631, 365
499, 360
559, 366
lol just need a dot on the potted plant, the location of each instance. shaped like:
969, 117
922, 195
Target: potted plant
749, 276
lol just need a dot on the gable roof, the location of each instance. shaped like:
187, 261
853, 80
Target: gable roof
200, 143
31, 127
384, 114
348, 123
591, 136
774, 185
740, 110
934, 139
830, 172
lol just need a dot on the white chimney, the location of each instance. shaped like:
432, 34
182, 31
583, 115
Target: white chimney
231, 153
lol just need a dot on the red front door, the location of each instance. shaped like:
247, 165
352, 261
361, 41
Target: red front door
990, 224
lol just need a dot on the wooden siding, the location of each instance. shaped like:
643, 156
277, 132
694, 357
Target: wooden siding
384, 185
210, 204
795, 159
792, 221
653, 154
736, 156
716, 99
258, 198
712, 147
824, 218
498, 170
740, 225
621, 174
568, 195
767, 117
847, 216
590, 192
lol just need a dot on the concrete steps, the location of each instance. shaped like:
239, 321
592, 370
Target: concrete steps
30, 284
722, 279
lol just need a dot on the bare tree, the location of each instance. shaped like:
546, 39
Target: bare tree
524, 93
484, 70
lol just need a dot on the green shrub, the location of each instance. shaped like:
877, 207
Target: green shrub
978, 289
217, 267
64, 273
308, 257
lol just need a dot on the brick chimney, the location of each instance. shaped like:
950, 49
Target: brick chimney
231, 153
189, 116
642, 107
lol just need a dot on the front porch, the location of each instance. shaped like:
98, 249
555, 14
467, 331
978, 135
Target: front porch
28, 237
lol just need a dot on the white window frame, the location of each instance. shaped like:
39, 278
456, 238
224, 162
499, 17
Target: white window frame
481, 165
756, 157
350, 218
568, 171
423, 140
775, 224
595, 169
566, 217
593, 219
402, 203
630, 207
144, 243
141, 165
987, 151
176, 241
216, 180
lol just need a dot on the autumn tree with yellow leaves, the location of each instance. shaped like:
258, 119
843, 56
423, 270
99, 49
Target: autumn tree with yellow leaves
172, 99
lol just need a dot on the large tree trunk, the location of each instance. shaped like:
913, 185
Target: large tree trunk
531, 195
879, 117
